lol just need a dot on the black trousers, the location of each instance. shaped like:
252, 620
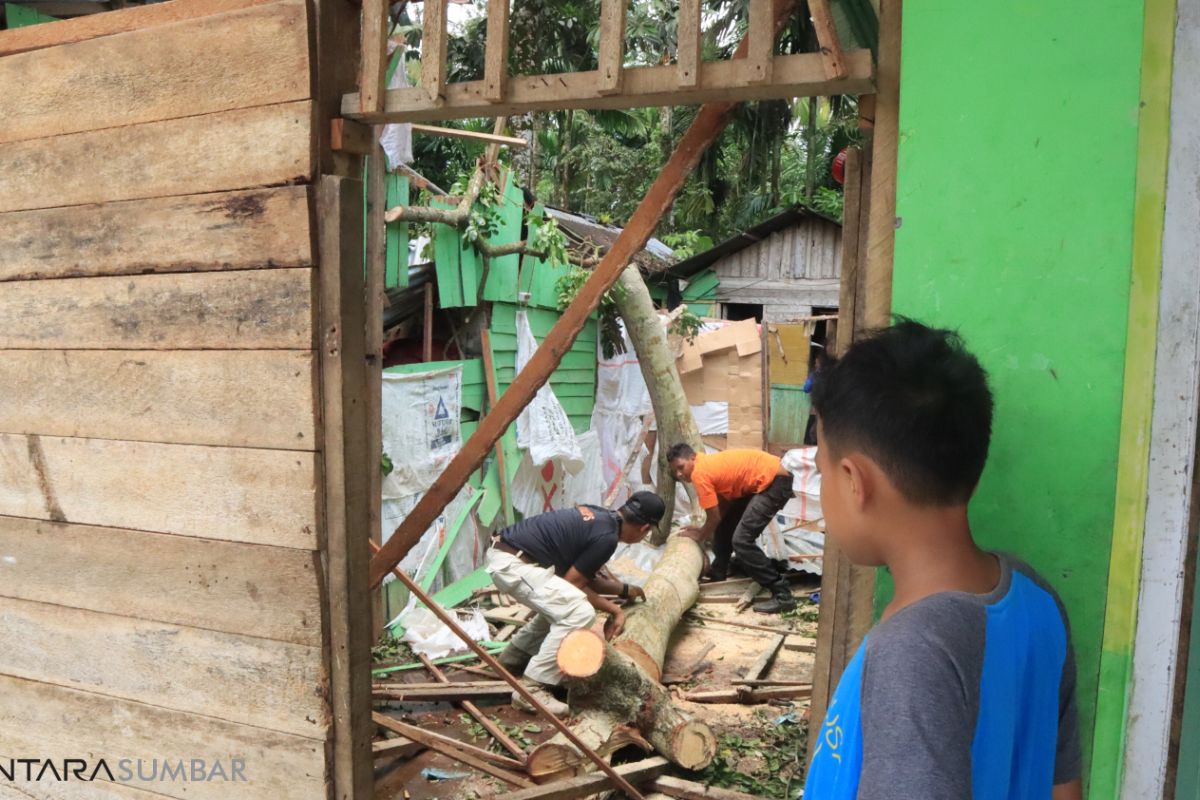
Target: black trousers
743, 522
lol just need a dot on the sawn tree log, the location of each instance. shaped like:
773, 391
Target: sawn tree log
614, 686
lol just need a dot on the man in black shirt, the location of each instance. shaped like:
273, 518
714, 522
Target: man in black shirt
553, 563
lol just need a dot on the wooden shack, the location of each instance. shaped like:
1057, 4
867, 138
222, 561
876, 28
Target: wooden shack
780, 270
177, 467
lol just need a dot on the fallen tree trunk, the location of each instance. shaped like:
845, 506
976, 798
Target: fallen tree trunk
672, 413
615, 686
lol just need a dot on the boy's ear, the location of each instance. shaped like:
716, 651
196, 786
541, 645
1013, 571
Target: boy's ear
858, 478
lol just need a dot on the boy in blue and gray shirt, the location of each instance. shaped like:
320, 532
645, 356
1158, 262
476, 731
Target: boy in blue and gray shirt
966, 688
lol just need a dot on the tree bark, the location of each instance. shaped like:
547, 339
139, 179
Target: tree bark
614, 686
671, 410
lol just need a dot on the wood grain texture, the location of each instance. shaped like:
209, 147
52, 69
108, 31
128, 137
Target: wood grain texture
209, 153
233, 398
260, 309
229, 230
231, 494
271, 592
252, 57
22, 789
58, 723
91, 26
243, 679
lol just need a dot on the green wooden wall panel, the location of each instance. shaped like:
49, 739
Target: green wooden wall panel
503, 273
396, 270
790, 406
702, 286
19, 16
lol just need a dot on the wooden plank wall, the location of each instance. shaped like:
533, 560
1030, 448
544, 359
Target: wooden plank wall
160, 464
788, 272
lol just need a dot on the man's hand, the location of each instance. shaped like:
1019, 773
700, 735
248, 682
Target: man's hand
636, 593
614, 625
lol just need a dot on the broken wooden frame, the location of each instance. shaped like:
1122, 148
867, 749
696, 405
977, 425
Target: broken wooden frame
758, 75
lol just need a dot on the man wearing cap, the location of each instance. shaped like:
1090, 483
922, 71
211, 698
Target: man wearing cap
553, 563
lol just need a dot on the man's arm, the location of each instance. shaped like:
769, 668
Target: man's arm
607, 583
651, 439
616, 617
712, 518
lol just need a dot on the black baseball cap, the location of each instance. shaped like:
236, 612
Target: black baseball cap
644, 508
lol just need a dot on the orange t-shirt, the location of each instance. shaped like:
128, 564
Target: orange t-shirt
733, 474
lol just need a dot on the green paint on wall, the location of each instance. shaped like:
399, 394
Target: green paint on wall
396, 260
1015, 197
19, 16
790, 406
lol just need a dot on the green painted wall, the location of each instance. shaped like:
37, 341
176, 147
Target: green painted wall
1015, 199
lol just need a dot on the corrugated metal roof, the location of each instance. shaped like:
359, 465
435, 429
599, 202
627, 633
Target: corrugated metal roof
656, 256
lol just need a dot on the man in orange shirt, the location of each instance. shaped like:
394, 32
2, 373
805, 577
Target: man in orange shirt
740, 491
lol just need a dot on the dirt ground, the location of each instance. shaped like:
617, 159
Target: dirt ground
760, 747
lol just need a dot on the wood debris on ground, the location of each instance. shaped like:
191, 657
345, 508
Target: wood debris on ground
449, 730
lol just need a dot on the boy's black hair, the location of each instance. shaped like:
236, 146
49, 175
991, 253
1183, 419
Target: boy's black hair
912, 398
680, 450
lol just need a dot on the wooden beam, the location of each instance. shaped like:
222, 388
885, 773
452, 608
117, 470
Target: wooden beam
343, 445
372, 70
474, 136
493, 393
754, 696
80, 29
440, 693
612, 46
455, 750
709, 122
427, 323
395, 748
827, 38
690, 790
433, 51
438, 741
688, 53
376, 299
593, 782
800, 75
762, 41
495, 57
351, 136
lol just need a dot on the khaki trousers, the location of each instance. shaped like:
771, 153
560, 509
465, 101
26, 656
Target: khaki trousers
561, 608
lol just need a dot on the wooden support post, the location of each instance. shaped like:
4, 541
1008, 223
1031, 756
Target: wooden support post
688, 54
427, 337
491, 727
351, 136
449, 621
344, 454
762, 41
433, 49
375, 300
612, 45
372, 74
709, 123
453, 749
848, 591
827, 37
489, 377
495, 56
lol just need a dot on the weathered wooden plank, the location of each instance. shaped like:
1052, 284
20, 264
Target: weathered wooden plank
800, 75
243, 679
92, 26
762, 41
230, 230
433, 49
261, 309
495, 56
255, 56
688, 53
233, 398
612, 46
209, 153
54, 722
271, 592
231, 494
26, 788
372, 71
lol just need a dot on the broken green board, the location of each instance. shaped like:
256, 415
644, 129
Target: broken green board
502, 274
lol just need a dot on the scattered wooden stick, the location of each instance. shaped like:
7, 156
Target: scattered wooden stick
460, 751
441, 693
755, 696
593, 782
449, 621
760, 666
769, 682
747, 597
491, 727
689, 790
